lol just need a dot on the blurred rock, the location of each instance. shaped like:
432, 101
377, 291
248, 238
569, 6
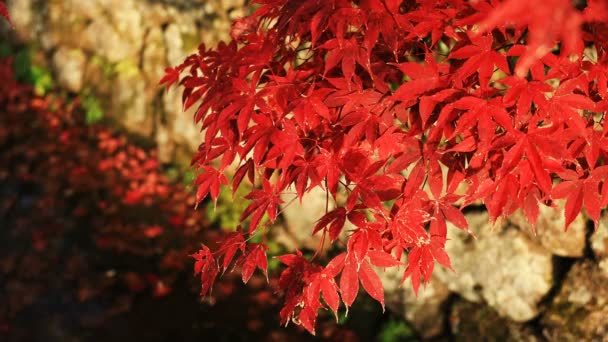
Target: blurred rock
550, 230
599, 244
153, 58
117, 51
129, 91
26, 20
69, 65
106, 42
579, 312
300, 218
476, 322
502, 267
427, 312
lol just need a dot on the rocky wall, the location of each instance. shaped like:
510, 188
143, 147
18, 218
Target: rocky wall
511, 285
117, 50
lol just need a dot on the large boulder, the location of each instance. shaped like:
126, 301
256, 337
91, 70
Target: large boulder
550, 230
501, 266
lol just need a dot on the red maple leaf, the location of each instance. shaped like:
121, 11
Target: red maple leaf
548, 21
4, 13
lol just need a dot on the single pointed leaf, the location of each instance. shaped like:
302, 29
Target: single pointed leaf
349, 282
382, 259
371, 283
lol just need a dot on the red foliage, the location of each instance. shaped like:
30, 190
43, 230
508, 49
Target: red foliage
72, 192
4, 13
414, 109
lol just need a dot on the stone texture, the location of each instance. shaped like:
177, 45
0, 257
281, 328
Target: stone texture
476, 322
103, 40
153, 57
427, 312
599, 244
117, 50
501, 266
550, 230
599, 239
70, 66
579, 312
26, 18
300, 218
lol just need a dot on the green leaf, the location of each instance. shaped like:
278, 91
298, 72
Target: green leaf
397, 330
93, 110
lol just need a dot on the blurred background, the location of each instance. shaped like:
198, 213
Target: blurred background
97, 217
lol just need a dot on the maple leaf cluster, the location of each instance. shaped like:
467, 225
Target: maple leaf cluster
413, 109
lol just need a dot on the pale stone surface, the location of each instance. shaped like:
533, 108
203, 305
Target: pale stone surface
501, 266
25, 20
300, 218
599, 244
154, 61
174, 44
599, 239
70, 65
550, 230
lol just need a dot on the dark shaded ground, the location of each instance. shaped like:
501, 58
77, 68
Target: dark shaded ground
57, 285
245, 315
57, 308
